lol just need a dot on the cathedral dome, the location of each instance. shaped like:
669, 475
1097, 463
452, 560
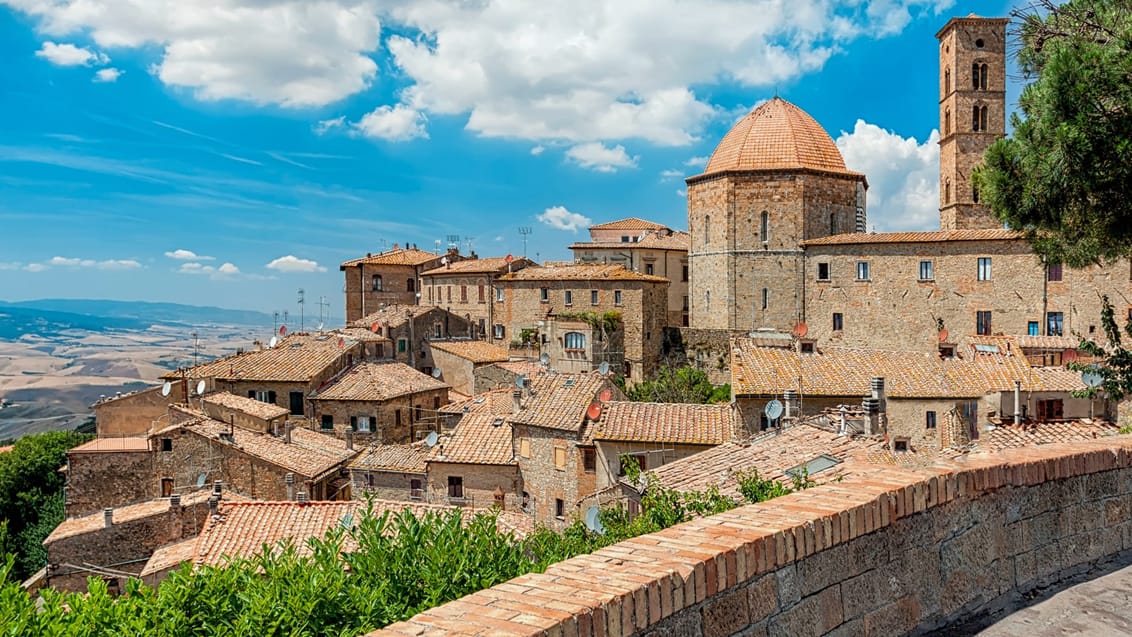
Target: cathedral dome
777, 136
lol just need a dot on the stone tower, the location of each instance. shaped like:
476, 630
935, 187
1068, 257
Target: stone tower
972, 113
774, 181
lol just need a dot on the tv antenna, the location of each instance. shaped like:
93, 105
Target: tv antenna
525, 231
302, 303
468, 243
323, 311
196, 346
437, 244
453, 241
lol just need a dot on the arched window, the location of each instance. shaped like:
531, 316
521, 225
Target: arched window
947, 122
707, 228
983, 72
975, 193
947, 81
377, 284
947, 191
833, 223
410, 285
975, 76
975, 118
707, 300
766, 298
982, 118
764, 227
574, 340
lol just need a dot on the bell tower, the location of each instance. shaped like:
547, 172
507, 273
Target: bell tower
972, 114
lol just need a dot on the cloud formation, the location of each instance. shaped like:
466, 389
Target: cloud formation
559, 218
225, 270
393, 123
187, 255
70, 55
597, 156
108, 75
291, 263
73, 262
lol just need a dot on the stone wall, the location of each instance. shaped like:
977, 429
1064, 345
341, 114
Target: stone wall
458, 372
101, 479
387, 485
481, 484
705, 349
544, 481
888, 552
133, 414
392, 421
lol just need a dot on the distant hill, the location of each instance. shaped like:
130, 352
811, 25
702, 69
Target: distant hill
17, 321
132, 314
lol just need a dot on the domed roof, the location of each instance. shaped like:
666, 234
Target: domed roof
777, 136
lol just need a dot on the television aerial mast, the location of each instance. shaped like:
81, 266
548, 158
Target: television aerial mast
302, 303
525, 231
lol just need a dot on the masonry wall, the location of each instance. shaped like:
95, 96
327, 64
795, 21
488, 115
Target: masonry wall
890, 552
669, 264
386, 485
458, 372
1072, 408
488, 377
391, 421
467, 295
101, 479
907, 418
481, 484
133, 415
543, 481
707, 350
608, 466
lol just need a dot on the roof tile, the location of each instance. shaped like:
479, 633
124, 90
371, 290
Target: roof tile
673, 423
935, 236
580, 272
373, 381
474, 351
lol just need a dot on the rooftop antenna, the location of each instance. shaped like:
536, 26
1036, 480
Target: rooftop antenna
525, 231
468, 243
323, 311
302, 303
437, 244
453, 241
275, 325
196, 346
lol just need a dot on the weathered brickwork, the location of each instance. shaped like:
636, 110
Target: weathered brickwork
890, 552
396, 420
103, 479
966, 46
393, 280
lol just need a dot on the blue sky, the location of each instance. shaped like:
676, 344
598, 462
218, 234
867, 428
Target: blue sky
230, 152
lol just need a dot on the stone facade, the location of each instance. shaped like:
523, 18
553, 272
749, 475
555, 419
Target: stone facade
649, 456
390, 485
552, 491
482, 486
409, 335
133, 414
972, 114
575, 346
404, 418
387, 278
468, 290
107, 478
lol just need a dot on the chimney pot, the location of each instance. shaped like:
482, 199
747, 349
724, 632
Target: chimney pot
287, 433
790, 398
517, 401
302, 496
213, 505
108, 517
217, 486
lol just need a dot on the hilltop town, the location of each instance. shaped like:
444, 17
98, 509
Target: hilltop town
496, 383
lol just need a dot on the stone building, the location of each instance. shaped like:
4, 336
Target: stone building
459, 360
476, 465
392, 277
647, 247
537, 294
392, 471
132, 414
409, 328
108, 472
467, 288
378, 402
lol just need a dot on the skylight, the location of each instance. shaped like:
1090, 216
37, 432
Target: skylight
816, 465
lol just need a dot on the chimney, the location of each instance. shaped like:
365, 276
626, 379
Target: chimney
175, 501
844, 429
1017, 402
790, 398
213, 505
877, 385
872, 416
516, 401
287, 433
349, 440
108, 517
302, 496
396, 247
289, 479
217, 486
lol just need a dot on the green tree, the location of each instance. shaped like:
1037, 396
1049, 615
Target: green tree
1064, 174
679, 385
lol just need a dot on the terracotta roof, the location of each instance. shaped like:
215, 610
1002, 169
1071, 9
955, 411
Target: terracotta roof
990, 234
629, 223
7, 448
250, 406
834, 371
479, 438
649, 241
672, 423
490, 265
370, 381
559, 401
580, 272
309, 453
411, 257
1047, 342
111, 445
394, 315
496, 401
170, 556
403, 458
297, 358
1007, 436
129, 513
523, 367
474, 351
776, 135
361, 334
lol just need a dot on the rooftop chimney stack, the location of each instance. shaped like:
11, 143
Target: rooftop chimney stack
108, 517
217, 487
517, 401
871, 407
349, 440
302, 496
175, 501
790, 399
287, 433
213, 505
289, 480
1017, 403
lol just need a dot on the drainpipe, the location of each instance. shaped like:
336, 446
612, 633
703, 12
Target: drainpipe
1017, 402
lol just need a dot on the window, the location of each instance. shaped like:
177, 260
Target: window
707, 228
1053, 272
436, 330
838, 322
525, 502
983, 322
479, 293
862, 270
684, 273
569, 297
397, 417
833, 223
947, 122
978, 117
410, 285
499, 295
900, 445
929, 420
544, 295
766, 298
947, 190
166, 487
402, 345
430, 294
979, 43
456, 487
617, 297
415, 490
167, 444
975, 76
807, 347
363, 424
524, 447
947, 81
946, 351
624, 238
327, 421
377, 285
263, 396
628, 460
448, 292
559, 508
823, 272
589, 459
926, 273
1032, 329
984, 273
983, 75
648, 268
575, 340
1054, 323
463, 294
1051, 409
560, 457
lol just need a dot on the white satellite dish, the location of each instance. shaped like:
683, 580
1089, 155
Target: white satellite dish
273, 342
431, 439
200, 388
1092, 376
166, 388
436, 372
544, 358
603, 369
521, 381
773, 410
593, 520
201, 479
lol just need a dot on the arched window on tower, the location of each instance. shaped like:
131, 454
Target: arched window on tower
975, 193
833, 223
947, 81
764, 227
766, 298
707, 228
947, 122
979, 117
975, 76
947, 190
983, 72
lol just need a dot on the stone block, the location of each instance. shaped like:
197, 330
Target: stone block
1117, 510
825, 568
814, 615
787, 583
898, 618
762, 597
726, 613
678, 625
1099, 486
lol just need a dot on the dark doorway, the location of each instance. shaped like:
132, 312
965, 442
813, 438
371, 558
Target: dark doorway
296, 403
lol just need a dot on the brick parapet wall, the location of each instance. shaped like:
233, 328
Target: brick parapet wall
888, 552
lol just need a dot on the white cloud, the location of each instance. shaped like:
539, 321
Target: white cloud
393, 123
9, 266
597, 156
903, 176
292, 53
560, 218
291, 263
70, 55
697, 162
325, 126
538, 150
35, 267
108, 75
71, 262
187, 255
680, 192
667, 175
227, 270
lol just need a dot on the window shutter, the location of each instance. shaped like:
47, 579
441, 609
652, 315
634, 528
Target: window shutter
354, 423
271, 397
251, 394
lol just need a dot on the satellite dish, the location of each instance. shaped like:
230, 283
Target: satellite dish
443, 260
1069, 355
508, 259
200, 388
593, 520
273, 342
200, 479
605, 395
800, 330
166, 388
521, 381
603, 369
347, 521
375, 328
773, 410
282, 330
436, 372
943, 334
341, 342
544, 358
1092, 377
431, 439
593, 412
